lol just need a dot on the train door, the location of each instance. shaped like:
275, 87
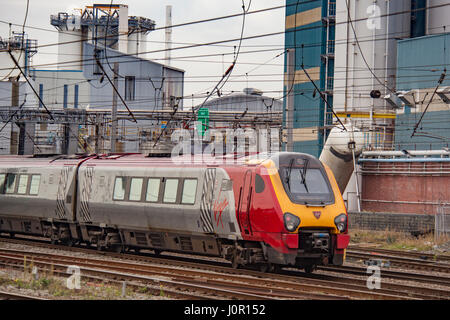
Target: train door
244, 203
206, 203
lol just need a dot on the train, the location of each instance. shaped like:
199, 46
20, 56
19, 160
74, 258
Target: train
263, 211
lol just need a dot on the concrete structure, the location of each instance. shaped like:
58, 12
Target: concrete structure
415, 224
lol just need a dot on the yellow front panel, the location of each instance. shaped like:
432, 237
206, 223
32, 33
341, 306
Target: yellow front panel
305, 213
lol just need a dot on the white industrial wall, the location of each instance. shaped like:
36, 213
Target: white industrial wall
376, 33
53, 87
7, 64
70, 50
438, 17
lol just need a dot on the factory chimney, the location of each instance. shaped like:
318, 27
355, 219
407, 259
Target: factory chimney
168, 33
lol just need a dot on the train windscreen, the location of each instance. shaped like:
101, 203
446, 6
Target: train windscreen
306, 185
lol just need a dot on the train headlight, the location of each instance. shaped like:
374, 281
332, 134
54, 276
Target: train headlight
291, 222
341, 222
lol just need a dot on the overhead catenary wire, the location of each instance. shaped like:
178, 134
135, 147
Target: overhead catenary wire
249, 37
23, 38
114, 88
29, 83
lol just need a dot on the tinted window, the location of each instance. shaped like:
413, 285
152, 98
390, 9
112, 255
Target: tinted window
119, 189
189, 191
10, 183
34, 185
23, 184
2, 182
259, 184
153, 190
136, 189
171, 190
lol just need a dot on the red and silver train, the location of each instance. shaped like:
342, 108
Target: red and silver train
276, 210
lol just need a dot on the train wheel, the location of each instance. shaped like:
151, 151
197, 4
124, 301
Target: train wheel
267, 267
117, 248
69, 243
310, 268
234, 262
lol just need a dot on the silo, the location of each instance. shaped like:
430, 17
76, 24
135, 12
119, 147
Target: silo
137, 42
70, 39
437, 16
367, 61
377, 25
338, 152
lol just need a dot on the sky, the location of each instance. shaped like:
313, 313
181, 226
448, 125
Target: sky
261, 70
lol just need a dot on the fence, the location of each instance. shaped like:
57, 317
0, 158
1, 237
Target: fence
442, 222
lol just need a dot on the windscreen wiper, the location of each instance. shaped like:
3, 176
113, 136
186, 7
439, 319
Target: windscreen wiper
303, 173
288, 176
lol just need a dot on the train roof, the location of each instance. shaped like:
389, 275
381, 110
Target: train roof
143, 160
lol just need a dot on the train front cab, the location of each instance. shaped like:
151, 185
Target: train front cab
313, 213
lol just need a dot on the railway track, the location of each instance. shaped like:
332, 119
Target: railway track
217, 284
290, 284
415, 255
4, 295
400, 260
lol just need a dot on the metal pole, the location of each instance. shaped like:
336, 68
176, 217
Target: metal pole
290, 100
114, 109
352, 146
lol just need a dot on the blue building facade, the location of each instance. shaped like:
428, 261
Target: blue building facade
421, 63
310, 30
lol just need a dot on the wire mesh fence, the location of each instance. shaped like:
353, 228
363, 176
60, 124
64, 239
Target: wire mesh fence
442, 223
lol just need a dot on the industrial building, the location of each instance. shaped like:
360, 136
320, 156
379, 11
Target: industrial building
98, 47
381, 66
363, 56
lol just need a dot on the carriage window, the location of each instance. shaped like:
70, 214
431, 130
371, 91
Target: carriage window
189, 191
34, 185
119, 189
23, 184
170, 191
136, 189
153, 190
10, 185
2, 181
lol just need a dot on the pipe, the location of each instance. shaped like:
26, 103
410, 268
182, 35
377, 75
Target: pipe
405, 202
408, 152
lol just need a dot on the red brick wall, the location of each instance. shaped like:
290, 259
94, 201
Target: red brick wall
405, 187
